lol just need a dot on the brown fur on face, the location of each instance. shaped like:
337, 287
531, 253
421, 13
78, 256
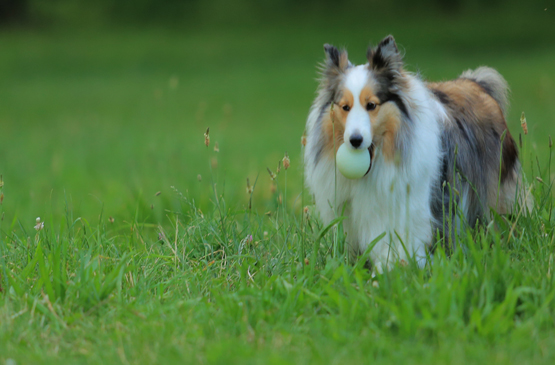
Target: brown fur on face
385, 128
367, 95
385, 122
333, 123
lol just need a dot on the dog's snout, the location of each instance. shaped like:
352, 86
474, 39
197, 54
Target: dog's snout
356, 140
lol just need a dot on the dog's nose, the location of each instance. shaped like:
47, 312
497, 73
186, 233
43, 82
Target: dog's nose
356, 140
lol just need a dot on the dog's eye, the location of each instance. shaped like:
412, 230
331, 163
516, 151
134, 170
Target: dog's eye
346, 108
370, 106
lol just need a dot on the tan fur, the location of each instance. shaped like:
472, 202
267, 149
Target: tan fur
385, 128
467, 95
367, 95
347, 99
333, 123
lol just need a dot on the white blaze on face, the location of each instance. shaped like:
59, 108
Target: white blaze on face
358, 120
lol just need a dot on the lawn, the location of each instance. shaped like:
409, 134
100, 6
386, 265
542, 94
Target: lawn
152, 249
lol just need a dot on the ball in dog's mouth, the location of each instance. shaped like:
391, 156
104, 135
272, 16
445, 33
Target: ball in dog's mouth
352, 163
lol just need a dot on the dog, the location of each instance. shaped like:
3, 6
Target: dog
441, 154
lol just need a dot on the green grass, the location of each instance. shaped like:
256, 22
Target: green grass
94, 123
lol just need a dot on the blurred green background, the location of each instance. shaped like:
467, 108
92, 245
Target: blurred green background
103, 104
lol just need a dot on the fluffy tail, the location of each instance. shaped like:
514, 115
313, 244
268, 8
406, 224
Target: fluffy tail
493, 83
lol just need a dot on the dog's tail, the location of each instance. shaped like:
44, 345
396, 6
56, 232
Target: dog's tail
493, 83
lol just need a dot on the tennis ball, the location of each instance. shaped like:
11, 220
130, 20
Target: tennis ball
353, 164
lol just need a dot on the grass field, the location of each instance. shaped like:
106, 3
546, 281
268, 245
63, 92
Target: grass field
142, 261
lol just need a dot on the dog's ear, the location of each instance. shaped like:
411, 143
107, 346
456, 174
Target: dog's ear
332, 71
385, 56
336, 61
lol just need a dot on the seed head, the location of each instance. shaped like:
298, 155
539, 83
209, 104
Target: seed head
539, 179
305, 210
286, 161
1, 182
158, 193
1, 198
523, 123
249, 187
39, 225
272, 175
303, 140
216, 147
111, 220
207, 137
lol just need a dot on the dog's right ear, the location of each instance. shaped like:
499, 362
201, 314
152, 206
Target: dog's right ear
336, 61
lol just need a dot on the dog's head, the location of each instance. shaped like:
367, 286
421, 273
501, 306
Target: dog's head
365, 102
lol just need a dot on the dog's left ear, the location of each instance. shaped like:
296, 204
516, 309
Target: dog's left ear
385, 56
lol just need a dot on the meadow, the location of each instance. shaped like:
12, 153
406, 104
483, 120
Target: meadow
152, 248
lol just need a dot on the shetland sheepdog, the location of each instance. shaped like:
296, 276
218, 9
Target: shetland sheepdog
441, 154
